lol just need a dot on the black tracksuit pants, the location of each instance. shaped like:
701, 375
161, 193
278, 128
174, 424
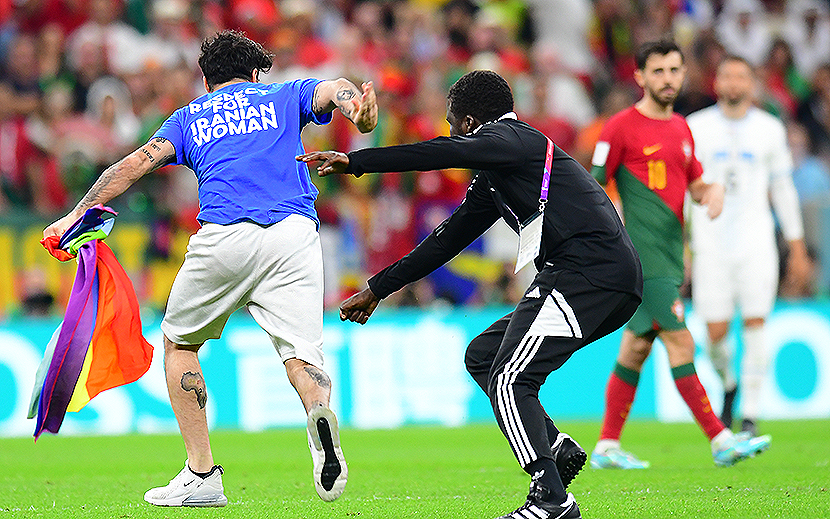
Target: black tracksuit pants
560, 313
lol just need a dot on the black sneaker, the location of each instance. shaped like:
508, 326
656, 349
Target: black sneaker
728, 403
749, 426
569, 458
536, 506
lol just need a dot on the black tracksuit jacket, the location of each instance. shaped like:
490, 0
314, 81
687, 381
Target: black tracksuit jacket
582, 231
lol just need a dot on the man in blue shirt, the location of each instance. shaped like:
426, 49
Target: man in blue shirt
258, 246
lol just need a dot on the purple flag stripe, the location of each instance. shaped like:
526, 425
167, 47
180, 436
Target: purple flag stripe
72, 345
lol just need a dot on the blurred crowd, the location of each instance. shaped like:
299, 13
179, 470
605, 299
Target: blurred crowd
83, 82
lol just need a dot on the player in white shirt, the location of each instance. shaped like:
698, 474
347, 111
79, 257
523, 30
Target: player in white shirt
735, 258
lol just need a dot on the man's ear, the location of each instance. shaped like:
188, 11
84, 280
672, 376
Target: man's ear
470, 122
638, 78
205, 83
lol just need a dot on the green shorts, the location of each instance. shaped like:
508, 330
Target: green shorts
661, 309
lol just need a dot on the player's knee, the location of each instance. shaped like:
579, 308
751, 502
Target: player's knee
680, 349
635, 355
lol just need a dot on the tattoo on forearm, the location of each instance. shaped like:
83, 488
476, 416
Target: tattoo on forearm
194, 382
121, 175
346, 111
91, 197
344, 94
319, 376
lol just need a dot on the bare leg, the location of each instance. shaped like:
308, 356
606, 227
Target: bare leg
188, 397
311, 383
634, 351
680, 347
314, 387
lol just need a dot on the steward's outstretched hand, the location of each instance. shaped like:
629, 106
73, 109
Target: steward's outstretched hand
334, 162
359, 307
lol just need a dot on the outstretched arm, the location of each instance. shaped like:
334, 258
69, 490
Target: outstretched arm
116, 179
485, 150
475, 215
361, 109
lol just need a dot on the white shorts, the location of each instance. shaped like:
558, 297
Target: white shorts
276, 271
720, 283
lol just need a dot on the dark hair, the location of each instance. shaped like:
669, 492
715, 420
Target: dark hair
232, 55
661, 48
481, 93
737, 59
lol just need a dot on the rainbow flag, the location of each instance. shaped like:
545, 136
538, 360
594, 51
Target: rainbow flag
99, 344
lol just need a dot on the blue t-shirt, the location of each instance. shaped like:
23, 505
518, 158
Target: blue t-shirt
241, 141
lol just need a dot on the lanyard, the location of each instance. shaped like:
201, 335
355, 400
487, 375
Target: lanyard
530, 232
543, 196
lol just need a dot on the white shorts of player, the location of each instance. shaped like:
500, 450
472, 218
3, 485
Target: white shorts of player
722, 281
276, 272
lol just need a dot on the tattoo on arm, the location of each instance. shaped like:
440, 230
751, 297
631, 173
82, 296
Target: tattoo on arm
121, 175
91, 197
343, 96
319, 376
194, 382
164, 160
315, 103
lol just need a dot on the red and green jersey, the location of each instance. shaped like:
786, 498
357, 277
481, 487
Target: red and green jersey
653, 162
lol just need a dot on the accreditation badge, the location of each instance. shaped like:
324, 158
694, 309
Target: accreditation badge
530, 240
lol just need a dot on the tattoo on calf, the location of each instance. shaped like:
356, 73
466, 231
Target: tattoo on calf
318, 376
194, 382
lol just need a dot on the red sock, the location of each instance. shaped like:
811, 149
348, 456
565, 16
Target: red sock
619, 395
685, 378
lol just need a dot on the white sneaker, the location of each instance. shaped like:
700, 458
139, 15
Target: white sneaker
330, 471
188, 489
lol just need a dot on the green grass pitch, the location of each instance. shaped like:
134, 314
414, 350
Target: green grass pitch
432, 472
